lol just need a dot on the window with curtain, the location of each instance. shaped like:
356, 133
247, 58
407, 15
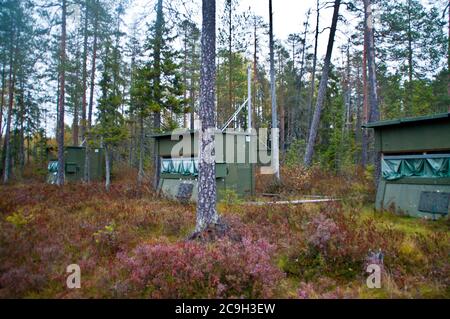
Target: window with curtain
430, 166
183, 166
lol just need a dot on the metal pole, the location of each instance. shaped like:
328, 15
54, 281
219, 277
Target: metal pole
249, 104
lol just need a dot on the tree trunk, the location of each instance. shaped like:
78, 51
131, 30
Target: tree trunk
364, 141
12, 81
300, 81
2, 103
255, 75
313, 72
409, 110
141, 150
76, 106
322, 89
87, 160
185, 76
21, 127
373, 97
359, 129
275, 132
207, 215
62, 74
157, 66
107, 169
448, 55
230, 58
85, 48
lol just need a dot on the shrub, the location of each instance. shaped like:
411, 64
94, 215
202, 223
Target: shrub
193, 270
106, 238
18, 219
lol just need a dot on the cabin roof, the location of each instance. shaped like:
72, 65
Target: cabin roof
408, 120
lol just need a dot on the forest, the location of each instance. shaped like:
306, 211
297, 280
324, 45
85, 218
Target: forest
96, 86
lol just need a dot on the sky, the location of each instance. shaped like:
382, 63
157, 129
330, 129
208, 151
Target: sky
288, 15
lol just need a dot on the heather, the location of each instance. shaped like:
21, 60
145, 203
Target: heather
131, 243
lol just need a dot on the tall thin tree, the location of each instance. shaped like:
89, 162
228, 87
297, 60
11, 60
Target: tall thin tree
275, 134
62, 79
322, 88
374, 114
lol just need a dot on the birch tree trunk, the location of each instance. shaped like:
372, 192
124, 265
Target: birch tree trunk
275, 149
60, 138
207, 215
322, 89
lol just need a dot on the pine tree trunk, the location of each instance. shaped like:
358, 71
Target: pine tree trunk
157, 67
313, 72
62, 65
85, 48
322, 89
7, 146
2, 102
76, 106
300, 83
207, 215
373, 97
141, 150
21, 127
365, 137
87, 160
107, 169
448, 56
409, 110
275, 132
255, 76
359, 129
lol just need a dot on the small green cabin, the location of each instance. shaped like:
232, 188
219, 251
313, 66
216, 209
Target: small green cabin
415, 164
74, 157
178, 155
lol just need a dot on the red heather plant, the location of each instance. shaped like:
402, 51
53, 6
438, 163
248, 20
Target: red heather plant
321, 230
194, 270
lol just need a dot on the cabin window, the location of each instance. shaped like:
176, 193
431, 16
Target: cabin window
427, 166
183, 166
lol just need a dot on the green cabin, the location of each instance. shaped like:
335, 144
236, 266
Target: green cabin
74, 164
178, 156
415, 165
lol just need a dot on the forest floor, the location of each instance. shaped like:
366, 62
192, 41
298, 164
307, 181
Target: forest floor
129, 243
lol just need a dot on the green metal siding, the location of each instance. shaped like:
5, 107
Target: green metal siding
411, 136
74, 158
404, 196
239, 177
